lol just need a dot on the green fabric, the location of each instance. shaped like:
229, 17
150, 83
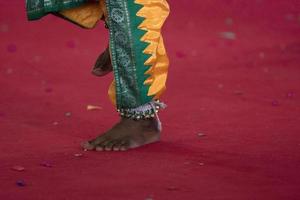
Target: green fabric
125, 42
39, 8
127, 53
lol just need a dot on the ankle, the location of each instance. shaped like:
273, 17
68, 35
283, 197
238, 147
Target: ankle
149, 124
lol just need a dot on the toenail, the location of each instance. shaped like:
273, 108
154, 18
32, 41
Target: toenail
99, 149
86, 145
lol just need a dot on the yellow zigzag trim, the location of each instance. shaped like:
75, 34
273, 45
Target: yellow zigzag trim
155, 13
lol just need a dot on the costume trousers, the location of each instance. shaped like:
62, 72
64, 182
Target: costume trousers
139, 59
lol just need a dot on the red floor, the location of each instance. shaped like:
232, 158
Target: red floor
235, 76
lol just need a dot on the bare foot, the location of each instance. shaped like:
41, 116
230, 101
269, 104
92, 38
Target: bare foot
126, 134
103, 64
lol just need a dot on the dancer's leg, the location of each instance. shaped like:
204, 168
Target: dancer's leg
140, 67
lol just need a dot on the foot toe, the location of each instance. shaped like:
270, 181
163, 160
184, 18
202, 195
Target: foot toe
87, 145
125, 146
101, 146
117, 146
92, 144
109, 145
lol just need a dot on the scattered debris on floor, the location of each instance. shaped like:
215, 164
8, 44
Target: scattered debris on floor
149, 198
18, 168
93, 107
290, 94
228, 35
55, 123
201, 134
20, 183
78, 154
46, 164
68, 114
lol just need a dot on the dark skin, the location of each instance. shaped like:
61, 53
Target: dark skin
103, 64
127, 133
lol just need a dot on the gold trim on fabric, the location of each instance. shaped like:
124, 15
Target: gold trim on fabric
155, 13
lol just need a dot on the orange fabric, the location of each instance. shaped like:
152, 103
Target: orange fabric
112, 93
155, 13
86, 15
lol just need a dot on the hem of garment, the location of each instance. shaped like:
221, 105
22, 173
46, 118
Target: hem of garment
146, 111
